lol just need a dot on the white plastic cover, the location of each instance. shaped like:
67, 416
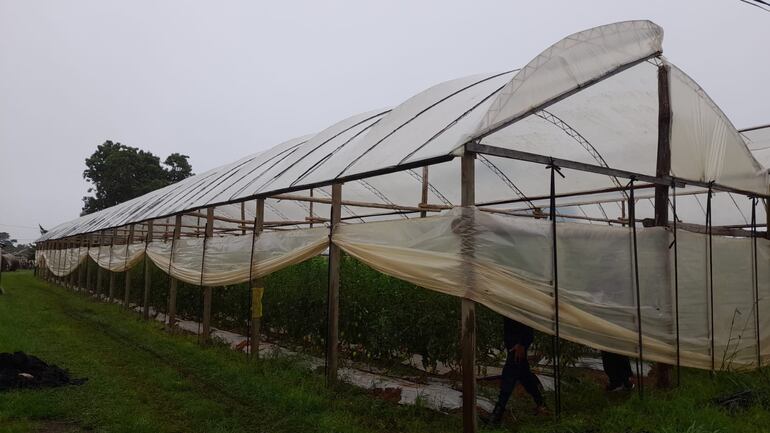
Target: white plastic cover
510, 263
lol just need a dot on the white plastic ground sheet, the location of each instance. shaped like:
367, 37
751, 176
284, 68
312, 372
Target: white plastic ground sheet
508, 268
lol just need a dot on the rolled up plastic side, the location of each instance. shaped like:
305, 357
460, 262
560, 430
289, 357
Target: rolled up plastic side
228, 258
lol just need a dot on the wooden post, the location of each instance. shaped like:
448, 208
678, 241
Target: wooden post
424, 191
310, 207
81, 277
173, 284
243, 217
257, 285
206, 326
468, 307
99, 270
147, 274
663, 168
89, 268
111, 294
72, 275
127, 291
333, 298
1, 268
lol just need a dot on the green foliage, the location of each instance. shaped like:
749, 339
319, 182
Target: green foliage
119, 173
382, 319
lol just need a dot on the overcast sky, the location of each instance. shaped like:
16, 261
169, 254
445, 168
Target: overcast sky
220, 80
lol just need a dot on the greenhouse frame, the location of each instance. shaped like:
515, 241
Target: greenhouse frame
597, 194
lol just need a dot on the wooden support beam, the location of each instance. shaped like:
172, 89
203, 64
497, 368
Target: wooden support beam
73, 275
424, 192
257, 286
350, 203
111, 294
147, 275
172, 290
99, 271
310, 211
663, 169
127, 287
206, 326
333, 296
598, 169
89, 268
468, 307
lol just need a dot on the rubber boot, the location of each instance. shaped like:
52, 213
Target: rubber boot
496, 417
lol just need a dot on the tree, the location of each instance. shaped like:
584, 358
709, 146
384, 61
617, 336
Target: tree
119, 173
178, 167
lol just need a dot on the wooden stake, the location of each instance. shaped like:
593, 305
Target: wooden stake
147, 274
468, 307
206, 326
332, 338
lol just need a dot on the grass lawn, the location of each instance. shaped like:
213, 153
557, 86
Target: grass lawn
142, 379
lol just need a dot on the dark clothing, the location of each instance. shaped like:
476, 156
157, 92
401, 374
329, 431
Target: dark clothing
617, 368
517, 333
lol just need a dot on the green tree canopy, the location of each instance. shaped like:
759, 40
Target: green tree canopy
119, 173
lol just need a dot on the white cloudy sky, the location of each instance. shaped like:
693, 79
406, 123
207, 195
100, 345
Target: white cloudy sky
219, 80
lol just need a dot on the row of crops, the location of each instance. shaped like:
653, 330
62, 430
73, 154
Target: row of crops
382, 319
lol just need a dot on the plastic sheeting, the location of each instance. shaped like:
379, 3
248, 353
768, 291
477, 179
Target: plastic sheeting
228, 259
117, 258
64, 261
604, 111
505, 263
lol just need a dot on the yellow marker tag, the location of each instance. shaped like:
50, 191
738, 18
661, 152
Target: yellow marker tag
256, 302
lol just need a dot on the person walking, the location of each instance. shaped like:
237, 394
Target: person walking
618, 370
518, 337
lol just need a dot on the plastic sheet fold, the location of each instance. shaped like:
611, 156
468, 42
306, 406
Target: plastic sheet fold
227, 259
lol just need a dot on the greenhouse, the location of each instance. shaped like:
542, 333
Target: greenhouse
596, 194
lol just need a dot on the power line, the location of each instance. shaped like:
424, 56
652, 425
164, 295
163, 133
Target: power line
758, 3
18, 226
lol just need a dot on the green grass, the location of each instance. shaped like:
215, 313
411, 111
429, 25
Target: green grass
142, 379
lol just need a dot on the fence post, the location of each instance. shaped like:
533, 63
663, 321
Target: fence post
333, 296
468, 307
